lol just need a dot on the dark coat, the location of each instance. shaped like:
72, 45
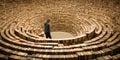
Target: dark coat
47, 27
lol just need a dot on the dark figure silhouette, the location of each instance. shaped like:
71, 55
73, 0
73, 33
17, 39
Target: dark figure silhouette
47, 29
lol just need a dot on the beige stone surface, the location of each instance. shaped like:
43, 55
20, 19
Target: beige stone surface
60, 35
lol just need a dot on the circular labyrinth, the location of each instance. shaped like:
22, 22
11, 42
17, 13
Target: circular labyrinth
22, 36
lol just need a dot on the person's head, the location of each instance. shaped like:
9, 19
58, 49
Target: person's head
48, 20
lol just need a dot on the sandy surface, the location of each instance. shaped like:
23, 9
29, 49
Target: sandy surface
57, 35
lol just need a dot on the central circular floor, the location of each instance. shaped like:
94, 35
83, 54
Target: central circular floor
59, 35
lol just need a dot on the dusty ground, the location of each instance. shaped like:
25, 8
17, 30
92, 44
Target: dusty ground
58, 34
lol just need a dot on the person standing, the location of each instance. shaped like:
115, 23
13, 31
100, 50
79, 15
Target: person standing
47, 29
